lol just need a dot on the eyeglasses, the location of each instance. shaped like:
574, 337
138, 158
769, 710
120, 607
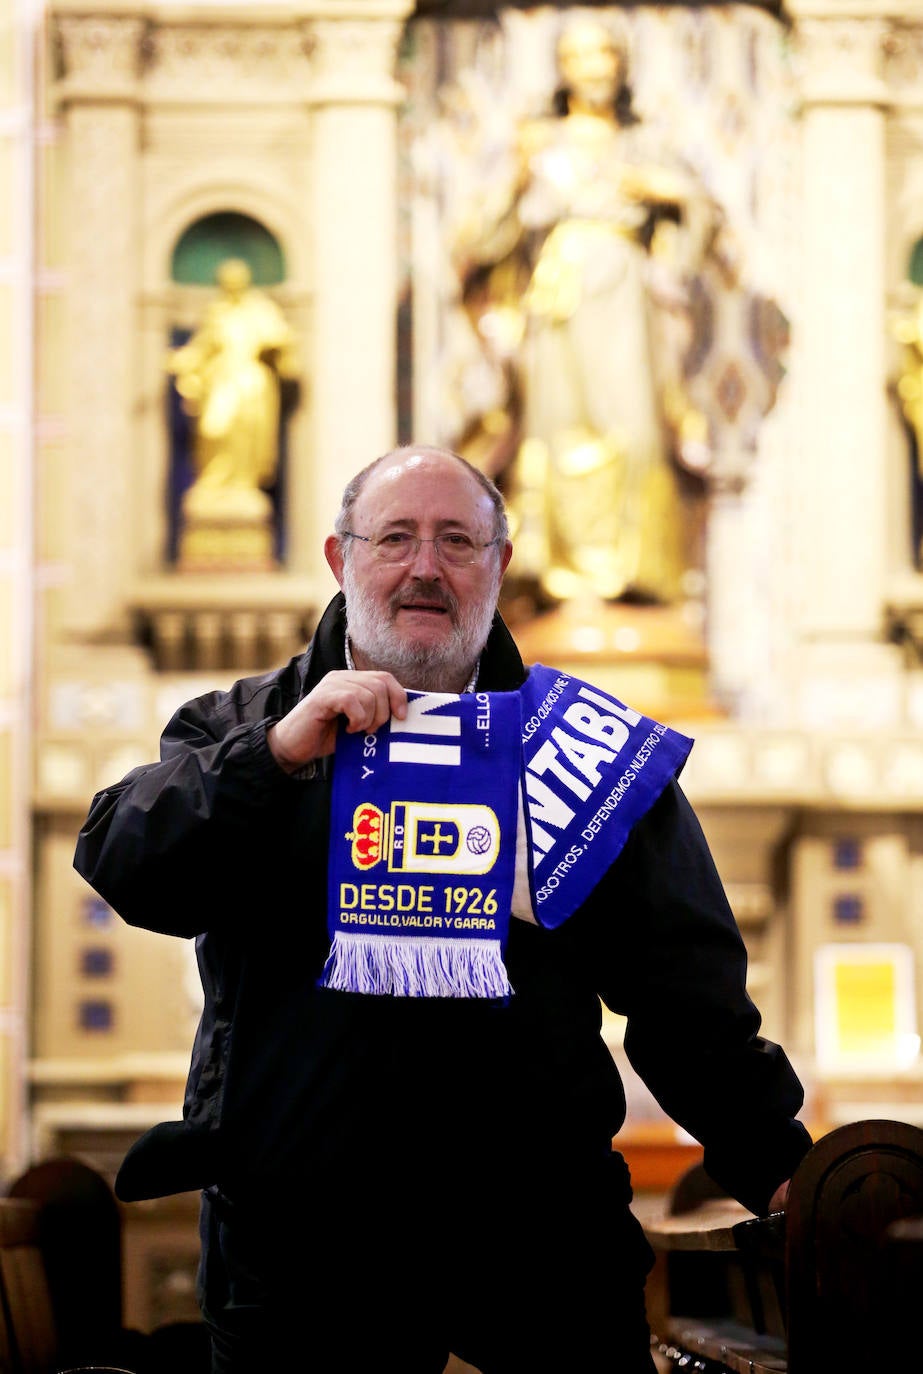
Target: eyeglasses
400, 548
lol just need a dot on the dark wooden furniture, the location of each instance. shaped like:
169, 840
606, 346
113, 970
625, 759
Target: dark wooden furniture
818, 1288
63, 1277
79, 1231
27, 1330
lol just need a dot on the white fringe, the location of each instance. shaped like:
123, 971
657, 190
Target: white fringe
412, 966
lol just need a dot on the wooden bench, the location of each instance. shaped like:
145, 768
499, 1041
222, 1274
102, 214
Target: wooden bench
821, 1287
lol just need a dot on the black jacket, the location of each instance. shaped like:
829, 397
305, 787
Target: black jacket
216, 842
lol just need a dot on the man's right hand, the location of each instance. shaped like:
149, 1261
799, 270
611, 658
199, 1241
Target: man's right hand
309, 731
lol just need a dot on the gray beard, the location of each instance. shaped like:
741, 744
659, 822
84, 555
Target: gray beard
418, 667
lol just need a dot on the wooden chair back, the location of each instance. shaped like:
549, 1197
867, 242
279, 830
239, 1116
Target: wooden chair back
80, 1233
28, 1339
855, 1183
826, 1286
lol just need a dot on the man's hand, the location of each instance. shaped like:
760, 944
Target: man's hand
309, 731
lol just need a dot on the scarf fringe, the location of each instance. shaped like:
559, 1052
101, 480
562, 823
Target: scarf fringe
409, 966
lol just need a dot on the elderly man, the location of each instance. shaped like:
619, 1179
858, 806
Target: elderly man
413, 868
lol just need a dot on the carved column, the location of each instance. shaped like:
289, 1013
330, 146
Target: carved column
101, 55
17, 580
354, 227
839, 498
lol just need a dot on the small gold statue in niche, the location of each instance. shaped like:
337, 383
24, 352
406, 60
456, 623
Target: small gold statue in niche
229, 376
908, 330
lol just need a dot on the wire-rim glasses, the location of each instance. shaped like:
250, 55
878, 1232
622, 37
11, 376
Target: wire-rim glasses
400, 547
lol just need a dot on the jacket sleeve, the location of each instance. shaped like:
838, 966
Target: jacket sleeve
674, 963
175, 845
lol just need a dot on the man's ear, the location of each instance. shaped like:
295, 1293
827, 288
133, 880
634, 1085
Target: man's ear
333, 552
506, 553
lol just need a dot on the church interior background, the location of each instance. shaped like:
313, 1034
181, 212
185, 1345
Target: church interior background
348, 152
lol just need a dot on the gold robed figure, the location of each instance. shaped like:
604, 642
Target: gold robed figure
908, 330
558, 282
229, 377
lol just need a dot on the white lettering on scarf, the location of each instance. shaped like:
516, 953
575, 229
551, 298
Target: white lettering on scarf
418, 721
601, 736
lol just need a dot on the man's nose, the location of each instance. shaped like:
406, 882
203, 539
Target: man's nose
425, 562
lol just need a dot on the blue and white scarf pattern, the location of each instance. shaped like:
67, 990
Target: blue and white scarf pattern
424, 820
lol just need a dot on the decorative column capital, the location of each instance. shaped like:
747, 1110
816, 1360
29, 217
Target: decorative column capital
842, 59
100, 55
354, 55
903, 47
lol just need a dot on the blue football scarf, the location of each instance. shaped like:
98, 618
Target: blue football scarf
424, 818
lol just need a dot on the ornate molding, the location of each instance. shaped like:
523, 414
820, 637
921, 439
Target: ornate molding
100, 56
811, 770
345, 52
842, 61
903, 61
904, 616
198, 621
208, 61
354, 61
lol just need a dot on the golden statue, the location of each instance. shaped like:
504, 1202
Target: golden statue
908, 330
557, 273
229, 376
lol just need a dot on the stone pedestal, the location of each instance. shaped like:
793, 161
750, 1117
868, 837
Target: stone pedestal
201, 621
226, 530
652, 657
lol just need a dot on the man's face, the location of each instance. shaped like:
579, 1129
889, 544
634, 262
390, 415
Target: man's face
424, 622
590, 64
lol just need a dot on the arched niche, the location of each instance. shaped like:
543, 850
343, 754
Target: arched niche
211, 238
915, 262
197, 253
176, 204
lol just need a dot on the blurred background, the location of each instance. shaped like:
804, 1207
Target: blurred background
657, 269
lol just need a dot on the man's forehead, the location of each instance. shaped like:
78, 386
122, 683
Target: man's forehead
400, 466
396, 485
